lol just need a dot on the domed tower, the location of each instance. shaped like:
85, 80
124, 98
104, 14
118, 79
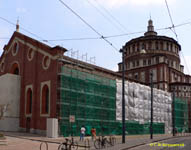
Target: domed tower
161, 57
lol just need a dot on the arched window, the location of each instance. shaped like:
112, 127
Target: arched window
15, 69
15, 48
167, 46
45, 100
29, 101
161, 45
143, 46
150, 45
157, 46
138, 47
133, 48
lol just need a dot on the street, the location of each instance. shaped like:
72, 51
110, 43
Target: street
24, 144
183, 143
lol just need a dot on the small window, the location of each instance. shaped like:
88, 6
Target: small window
15, 48
46, 62
150, 46
136, 76
167, 46
30, 54
133, 48
144, 62
149, 62
143, 46
157, 60
29, 101
137, 63
171, 47
161, 45
15, 69
138, 47
157, 46
133, 63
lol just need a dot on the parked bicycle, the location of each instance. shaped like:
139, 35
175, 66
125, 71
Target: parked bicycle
103, 142
68, 145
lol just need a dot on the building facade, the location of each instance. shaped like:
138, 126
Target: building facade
44, 82
161, 57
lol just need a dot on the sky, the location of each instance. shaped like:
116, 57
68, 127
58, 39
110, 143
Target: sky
50, 20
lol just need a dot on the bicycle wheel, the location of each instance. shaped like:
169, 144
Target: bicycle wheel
97, 144
62, 147
73, 146
41, 146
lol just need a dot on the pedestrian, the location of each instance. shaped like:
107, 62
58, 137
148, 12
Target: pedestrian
93, 133
82, 133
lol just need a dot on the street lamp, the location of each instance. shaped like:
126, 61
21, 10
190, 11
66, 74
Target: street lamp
173, 112
151, 125
123, 96
123, 91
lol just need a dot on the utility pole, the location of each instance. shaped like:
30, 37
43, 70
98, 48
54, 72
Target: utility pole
123, 97
173, 112
151, 125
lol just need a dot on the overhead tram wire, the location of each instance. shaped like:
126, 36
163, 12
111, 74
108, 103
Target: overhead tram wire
174, 31
101, 36
42, 39
102, 14
114, 18
115, 36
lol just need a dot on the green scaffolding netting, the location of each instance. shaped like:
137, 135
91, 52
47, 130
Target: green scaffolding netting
90, 98
181, 115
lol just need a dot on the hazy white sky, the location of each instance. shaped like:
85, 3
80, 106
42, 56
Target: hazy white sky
51, 20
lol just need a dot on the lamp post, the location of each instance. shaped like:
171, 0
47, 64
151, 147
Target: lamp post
123, 96
151, 125
173, 113
123, 91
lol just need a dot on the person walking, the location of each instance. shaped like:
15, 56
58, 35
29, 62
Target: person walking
93, 133
82, 133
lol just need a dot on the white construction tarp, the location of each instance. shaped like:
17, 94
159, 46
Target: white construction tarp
138, 104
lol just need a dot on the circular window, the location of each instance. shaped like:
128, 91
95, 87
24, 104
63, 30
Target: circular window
46, 62
30, 54
15, 48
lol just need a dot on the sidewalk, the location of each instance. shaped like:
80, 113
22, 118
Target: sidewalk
131, 141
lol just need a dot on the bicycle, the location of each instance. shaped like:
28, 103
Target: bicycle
68, 145
102, 142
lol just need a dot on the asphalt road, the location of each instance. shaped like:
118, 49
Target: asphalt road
179, 143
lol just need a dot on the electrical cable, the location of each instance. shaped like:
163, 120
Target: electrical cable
107, 11
117, 35
102, 14
88, 25
42, 39
174, 31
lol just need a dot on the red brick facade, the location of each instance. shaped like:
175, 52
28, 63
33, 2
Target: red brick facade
36, 63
